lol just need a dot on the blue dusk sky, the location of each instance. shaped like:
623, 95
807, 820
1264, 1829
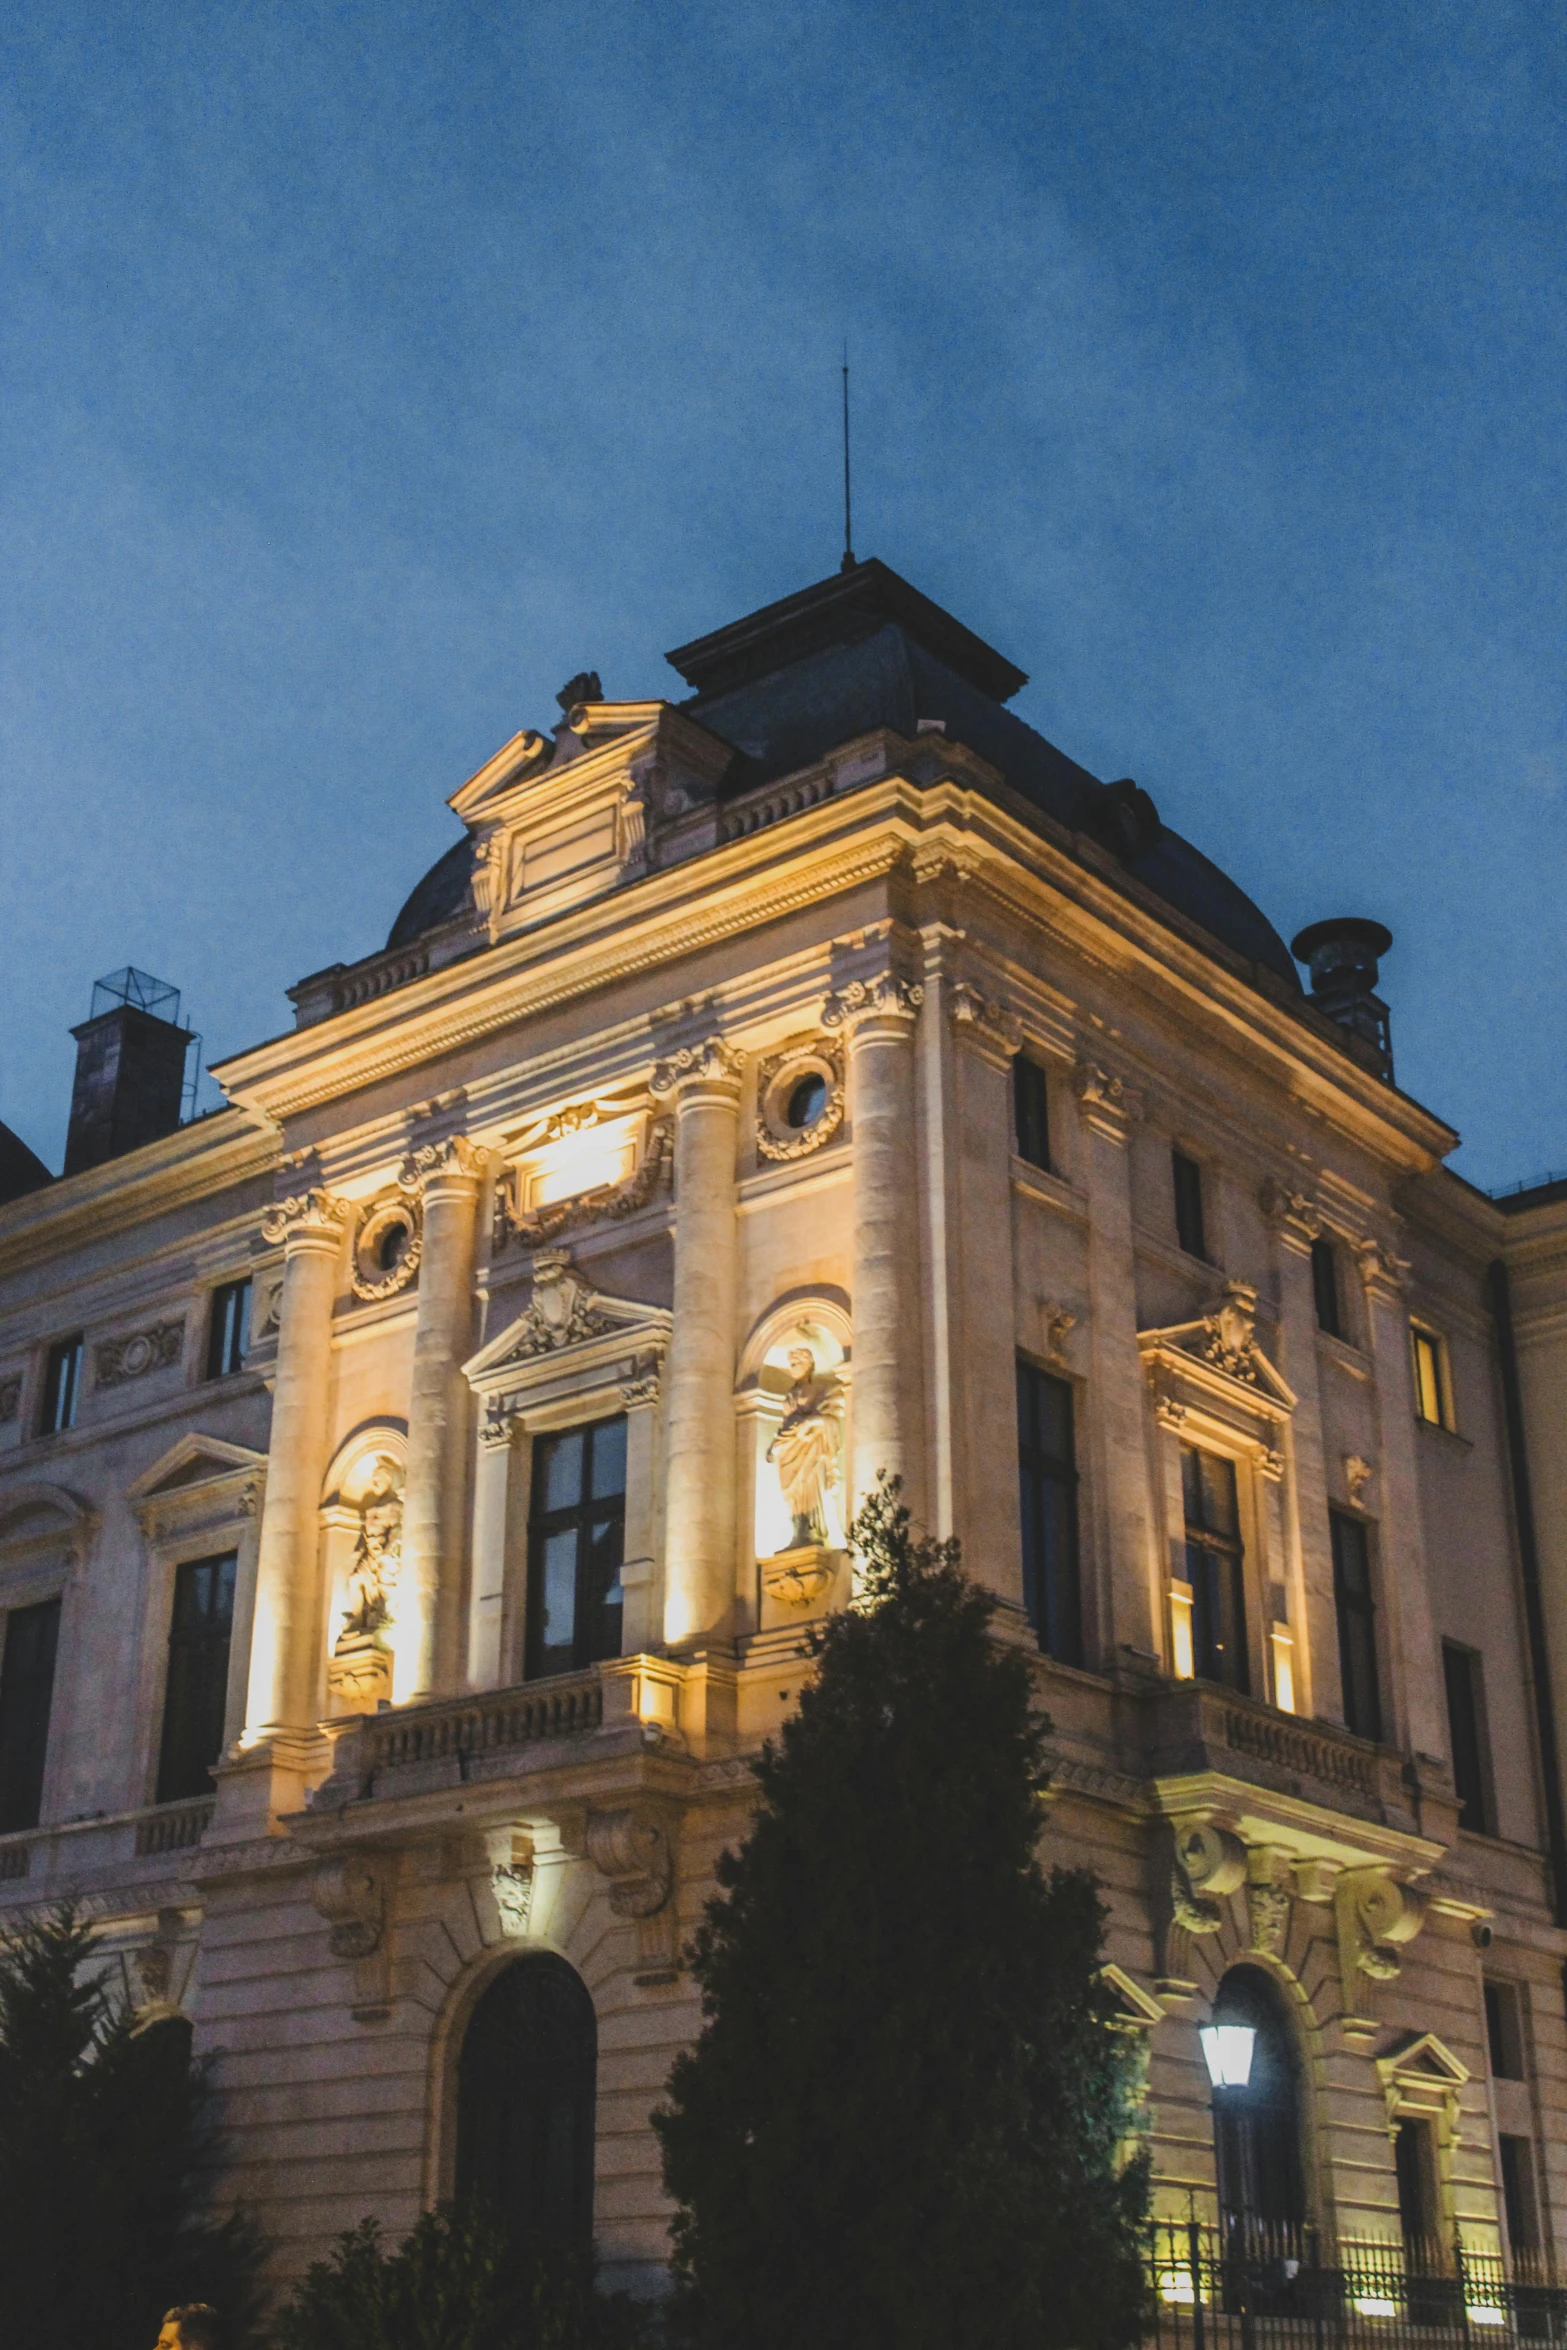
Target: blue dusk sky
367, 370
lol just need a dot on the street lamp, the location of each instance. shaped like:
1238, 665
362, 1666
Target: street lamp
1227, 2048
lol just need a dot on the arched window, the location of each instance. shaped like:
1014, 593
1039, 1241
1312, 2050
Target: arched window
1256, 2123
525, 2096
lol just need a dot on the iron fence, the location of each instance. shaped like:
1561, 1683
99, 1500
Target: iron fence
1251, 2285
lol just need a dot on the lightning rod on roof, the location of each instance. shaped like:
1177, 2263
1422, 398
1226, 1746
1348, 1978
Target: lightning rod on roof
848, 536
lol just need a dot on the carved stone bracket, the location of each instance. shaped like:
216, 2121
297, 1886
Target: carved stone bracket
351, 1897
512, 1880
712, 1062
1268, 1897
886, 996
1385, 1274
1374, 1916
635, 1850
1058, 1323
1109, 1105
1294, 1214
1358, 1474
985, 1021
310, 1216
1209, 1864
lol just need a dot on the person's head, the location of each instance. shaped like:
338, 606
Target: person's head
192, 2326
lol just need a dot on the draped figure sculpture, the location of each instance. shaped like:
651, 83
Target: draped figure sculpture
807, 1449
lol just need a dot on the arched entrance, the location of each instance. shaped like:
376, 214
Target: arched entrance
526, 2085
1256, 2124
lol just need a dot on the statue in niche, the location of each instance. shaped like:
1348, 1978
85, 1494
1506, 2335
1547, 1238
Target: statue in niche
807, 1447
360, 1672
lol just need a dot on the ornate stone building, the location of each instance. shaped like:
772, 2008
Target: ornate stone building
415, 1477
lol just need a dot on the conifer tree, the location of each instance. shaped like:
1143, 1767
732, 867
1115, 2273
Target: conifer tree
901, 2123
104, 2149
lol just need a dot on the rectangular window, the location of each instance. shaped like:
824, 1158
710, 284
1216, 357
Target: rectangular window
1466, 1734
1324, 1287
1503, 2031
1215, 1569
1357, 1643
196, 1692
1432, 1394
1047, 1470
1523, 2227
228, 1332
1414, 2159
1187, 1177
62, 1385
576, 1539
31, 1635
1031, 1111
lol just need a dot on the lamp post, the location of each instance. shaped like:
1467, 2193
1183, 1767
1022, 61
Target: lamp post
1227, 2049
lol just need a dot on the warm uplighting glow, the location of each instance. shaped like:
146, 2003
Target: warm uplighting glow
1484, 2313
1375, 2305
588, 1161
1175, 2285
1181, 1630
1228, 2048
1283, 1669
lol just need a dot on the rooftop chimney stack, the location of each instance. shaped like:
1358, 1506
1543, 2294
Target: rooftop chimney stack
130, 1069
1343, 955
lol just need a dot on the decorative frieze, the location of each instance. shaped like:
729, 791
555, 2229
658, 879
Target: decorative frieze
158, 1348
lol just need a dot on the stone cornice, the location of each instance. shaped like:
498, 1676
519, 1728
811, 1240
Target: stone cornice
214, 1154
920, 833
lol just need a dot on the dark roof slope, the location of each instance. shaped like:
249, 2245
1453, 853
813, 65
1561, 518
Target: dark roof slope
442, 893
21, 1170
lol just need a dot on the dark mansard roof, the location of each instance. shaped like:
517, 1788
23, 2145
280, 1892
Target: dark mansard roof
862, 650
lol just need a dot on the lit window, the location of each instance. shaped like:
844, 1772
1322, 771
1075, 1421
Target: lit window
1432, 1401
228, 1333
62, 1386
1031, 1111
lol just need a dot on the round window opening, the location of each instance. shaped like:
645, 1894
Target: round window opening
807, 1101
392, 1247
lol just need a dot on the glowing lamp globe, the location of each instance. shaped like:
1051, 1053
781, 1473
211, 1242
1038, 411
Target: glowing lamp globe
1227, 2048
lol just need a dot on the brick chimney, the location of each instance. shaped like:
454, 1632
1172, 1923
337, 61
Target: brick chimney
130, 1069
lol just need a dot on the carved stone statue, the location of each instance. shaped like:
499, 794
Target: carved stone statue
377, 1559
808, 1447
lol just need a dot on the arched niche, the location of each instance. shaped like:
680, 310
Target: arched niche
526, 2086
775, 1376
361, 1550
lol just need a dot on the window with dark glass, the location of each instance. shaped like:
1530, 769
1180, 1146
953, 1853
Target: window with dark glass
62, 1385
1357, 1641
1188, 1205
1031, 1110
1523, 2226
1414, 2160
1215, 1568
31, 1635
1256, 2126
228, 1332
1466, 1735
197, 1687
576, 1538
526, 2089
1052, 1591
1503, 2031
1324, 1287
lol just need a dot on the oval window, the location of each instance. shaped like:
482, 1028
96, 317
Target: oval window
807, 1101
392, 1248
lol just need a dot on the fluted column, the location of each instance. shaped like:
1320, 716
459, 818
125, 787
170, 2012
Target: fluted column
699, 1439
1132, 1627
1308, 1544
879, 1015
1419, 1699
429, 1606
283, 1661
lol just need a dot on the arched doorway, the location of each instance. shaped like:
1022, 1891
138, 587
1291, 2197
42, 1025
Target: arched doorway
1256, 2124
526, 2085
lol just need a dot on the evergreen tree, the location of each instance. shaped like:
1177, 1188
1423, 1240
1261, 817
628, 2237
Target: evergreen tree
104, 2151
456, 2283
900, 2124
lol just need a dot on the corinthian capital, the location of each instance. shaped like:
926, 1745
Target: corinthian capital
1294, 1214
884, 996
454, 1160
712, 1062
1109, 1105
1384, 1274
311, 1216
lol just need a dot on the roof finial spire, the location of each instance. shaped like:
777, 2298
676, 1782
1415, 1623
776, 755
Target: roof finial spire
848, 536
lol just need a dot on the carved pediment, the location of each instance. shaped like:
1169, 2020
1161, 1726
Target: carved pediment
557, 822
1423, 2081
199, 1476
1214, 1365
566, 1322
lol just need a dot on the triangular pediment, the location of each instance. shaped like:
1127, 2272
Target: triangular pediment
1426, 2059
1220, 1350
195, 1460
1137, 2009
565, 1314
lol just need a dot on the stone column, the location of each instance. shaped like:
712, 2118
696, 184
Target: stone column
1308, 1546
1131, 1613
1414, 1666
879, 1015
699, 1436
283, 1694
981, 1352
429, 1603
